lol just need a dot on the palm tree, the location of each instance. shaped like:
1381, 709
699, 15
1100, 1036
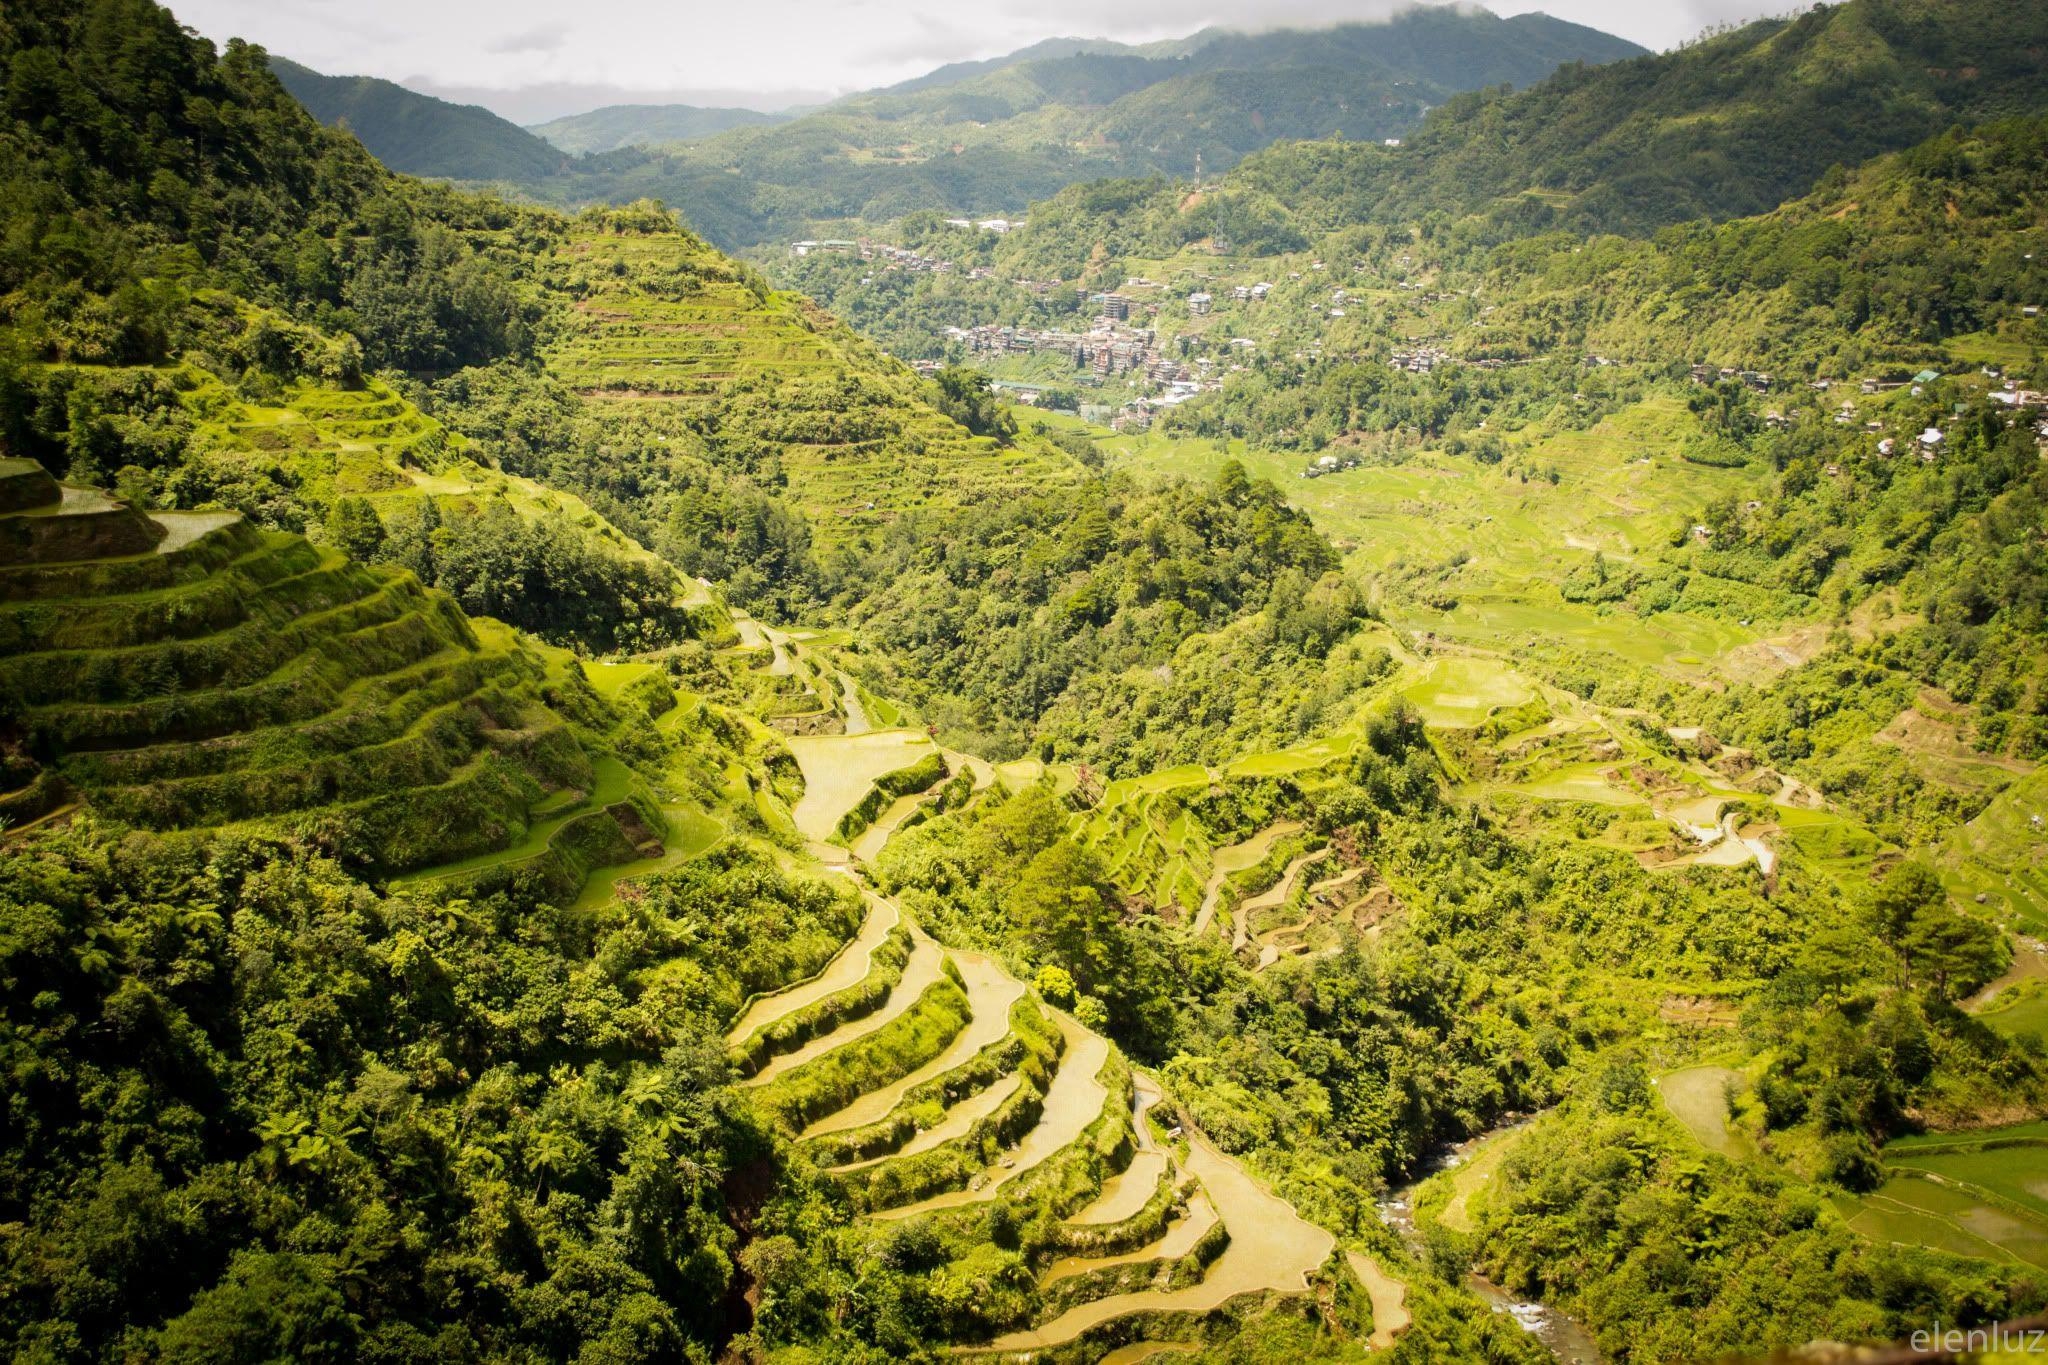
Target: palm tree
552, 1154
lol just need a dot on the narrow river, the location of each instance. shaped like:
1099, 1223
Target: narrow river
1566, 1338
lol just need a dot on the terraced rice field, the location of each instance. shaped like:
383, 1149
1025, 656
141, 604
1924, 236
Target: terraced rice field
1183, 1235
1618, 492
1339, 894
839, 769
1072, 1102
1697, 1098
613, 782
845, 970
1461, 692
1390, 1316
920, 1135
1981, 1193
922, 971
856, 439
868, 846
195, 672
1237, 858
1271, 1248
1272, 898
2024, 1010
2002, 854
991, 991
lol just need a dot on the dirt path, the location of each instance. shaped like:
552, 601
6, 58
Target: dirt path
1237, 858
1072, 1102
919, 972
1390, 1316
849, 967
1271, 1248
1271, 898
990, 993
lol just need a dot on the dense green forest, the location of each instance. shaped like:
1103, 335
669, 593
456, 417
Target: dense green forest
1731, 125
418, 134
558, 801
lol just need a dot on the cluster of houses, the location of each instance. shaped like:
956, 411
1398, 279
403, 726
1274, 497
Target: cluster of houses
2013, 396
1138, 414
1108, 349
899, 257
1418, 359
2032, 404
1202, 301
1329, 464
1756, 381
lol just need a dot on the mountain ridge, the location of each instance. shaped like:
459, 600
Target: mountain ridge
614, 126
984, 138
1521, 754
419, 134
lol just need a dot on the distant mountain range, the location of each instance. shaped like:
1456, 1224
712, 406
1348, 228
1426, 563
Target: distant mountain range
626, 125
979, 137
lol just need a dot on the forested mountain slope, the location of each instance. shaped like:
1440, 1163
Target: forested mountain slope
1104, 905
986, 141
629, 125
1727, 127
418, 134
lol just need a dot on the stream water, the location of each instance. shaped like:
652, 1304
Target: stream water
1566, 1338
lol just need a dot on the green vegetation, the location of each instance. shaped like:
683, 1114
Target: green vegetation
920, 776
1512, 721
1672, 1257
639, 125
418, 134
983, 141
1730, 125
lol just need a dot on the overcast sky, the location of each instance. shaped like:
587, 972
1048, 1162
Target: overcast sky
536, 59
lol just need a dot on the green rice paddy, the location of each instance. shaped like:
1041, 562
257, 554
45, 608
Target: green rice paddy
1462, 692
1981, 1193
1618, 491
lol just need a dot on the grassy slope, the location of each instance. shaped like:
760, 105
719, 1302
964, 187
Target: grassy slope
771, 378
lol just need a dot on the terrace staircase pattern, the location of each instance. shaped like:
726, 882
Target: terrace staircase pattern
178, 671
1009, 1099
857, 440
